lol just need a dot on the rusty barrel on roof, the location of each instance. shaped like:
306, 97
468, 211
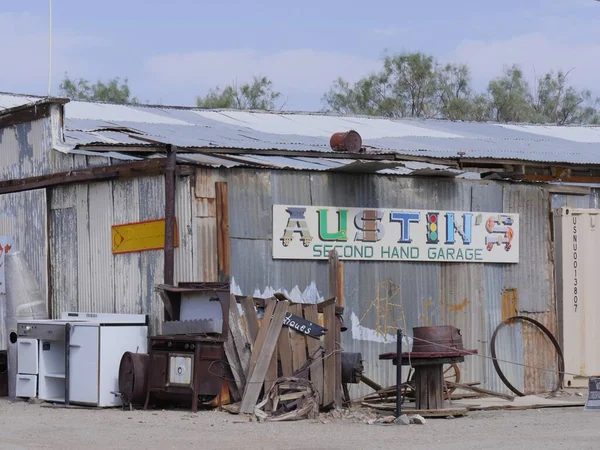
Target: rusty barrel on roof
440, 339
132, 377
348, 141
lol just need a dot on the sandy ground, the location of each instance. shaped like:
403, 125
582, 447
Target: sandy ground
24, 425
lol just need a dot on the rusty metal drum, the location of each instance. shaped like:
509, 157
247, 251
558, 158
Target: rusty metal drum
346, 142
440, 339
133, 372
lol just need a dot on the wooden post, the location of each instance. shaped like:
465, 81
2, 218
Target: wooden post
336, 289
170, 179
223, 252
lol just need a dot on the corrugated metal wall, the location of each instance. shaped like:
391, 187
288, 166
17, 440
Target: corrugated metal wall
381, 296
86, 276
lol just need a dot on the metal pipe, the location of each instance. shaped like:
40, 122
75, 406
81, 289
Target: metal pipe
170, 180
399, 374
67, 360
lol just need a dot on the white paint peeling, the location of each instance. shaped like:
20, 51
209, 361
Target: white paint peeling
309, 295
362, 333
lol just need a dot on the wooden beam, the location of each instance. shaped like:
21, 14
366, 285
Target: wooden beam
241, 344
262, 333
125, 170
26, 113
272, 371
336, 289
568, 190
329, 369
223, 250
479, 390
251, 319
255, 383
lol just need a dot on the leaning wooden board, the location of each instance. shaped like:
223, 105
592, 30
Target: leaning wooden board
256, 380
298, 341
315, 351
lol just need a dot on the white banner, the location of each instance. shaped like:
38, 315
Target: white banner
310, 232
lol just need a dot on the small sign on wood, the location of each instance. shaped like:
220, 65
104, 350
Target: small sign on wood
593, 401
303, 326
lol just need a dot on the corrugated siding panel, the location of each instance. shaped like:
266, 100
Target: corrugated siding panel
381, 296
127, 284
64, 260
100, 210
23, 216
84, 256
184, 253
82, 218
205, 244
25, 149
534, 280
152, 206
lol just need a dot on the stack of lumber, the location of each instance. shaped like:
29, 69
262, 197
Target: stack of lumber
273, 340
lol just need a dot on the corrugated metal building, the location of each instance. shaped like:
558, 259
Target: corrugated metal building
62, 190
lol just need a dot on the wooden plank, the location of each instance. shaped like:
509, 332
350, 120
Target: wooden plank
234, 364
223, 251
255, 383
333, 274
136, 169
480, 390
456, 412
239, 338
510, 303
329, 367
336, 289
340, 284
271, 376
262, 333
298, 341
251, 319
284, 345
315, 351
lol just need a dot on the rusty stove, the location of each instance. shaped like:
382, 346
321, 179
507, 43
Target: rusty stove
188, 359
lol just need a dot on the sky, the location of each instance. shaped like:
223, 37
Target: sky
172, 51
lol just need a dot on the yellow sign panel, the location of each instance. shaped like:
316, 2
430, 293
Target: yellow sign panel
140, 236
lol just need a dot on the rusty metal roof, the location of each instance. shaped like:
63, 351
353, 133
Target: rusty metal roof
95, 124
101, 124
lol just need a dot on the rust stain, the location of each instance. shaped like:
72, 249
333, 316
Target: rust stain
510, 303
425, 318
457, 307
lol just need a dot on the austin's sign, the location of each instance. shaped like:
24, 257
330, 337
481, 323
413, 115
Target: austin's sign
311, 232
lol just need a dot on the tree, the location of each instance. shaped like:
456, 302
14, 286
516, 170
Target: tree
554, 101
408, 85
455, 94
258, 95
416, 85
404, 87
114, 90
510, 98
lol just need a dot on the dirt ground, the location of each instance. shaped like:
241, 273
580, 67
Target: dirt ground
24, 426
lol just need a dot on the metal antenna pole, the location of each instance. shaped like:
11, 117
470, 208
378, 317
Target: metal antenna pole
49, 48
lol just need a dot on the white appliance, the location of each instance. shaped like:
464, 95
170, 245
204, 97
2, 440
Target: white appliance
76, 359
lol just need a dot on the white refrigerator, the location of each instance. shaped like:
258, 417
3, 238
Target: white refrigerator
76, 359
